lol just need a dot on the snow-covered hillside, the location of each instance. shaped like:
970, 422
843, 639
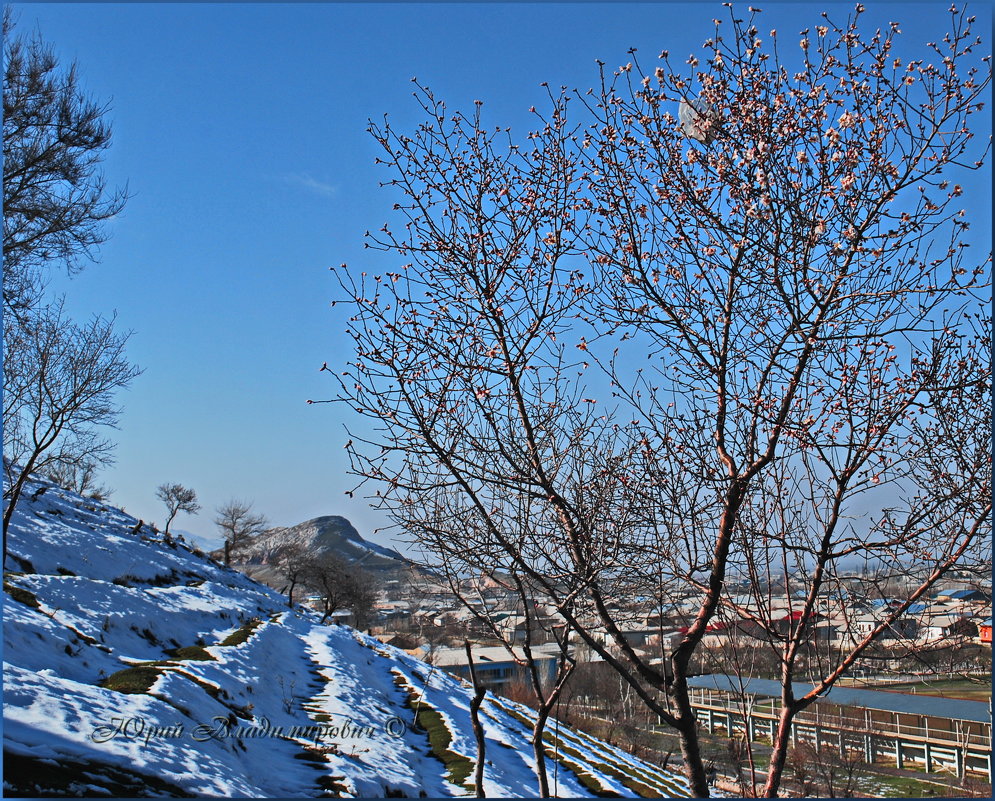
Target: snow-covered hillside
133, 666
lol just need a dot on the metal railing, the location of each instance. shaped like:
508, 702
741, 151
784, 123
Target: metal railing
972, 735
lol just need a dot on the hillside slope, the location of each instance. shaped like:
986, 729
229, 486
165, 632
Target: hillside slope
138, 668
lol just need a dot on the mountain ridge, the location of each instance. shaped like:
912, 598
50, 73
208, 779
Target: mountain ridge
259, 555
322, 533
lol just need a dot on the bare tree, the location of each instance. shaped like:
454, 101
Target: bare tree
827, 772
780, 307
79, 477
238, 524
59, 385
340, 585
55, 200
58, 378
177, 498
292, 564
544, 686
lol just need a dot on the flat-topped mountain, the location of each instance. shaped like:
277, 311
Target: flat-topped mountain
327, 534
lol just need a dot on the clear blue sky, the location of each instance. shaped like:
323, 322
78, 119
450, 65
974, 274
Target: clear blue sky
240, 130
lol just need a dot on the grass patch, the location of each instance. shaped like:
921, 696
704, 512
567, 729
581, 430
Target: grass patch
640, 782
905, 787
946, 688
558, 752
159, 580
242, 634
133, 680
21, 595
192, 652
459, 767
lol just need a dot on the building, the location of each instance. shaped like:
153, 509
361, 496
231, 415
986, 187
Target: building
495, 667
941, 627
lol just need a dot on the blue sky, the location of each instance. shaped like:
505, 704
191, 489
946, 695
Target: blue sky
240, 131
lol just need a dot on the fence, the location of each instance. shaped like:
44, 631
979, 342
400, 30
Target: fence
939, 744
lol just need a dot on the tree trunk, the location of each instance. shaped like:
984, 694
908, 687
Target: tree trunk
13, 498
779, 754
478, 729
691, 751
539, 751
687, 729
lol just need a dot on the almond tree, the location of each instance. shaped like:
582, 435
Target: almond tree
795, 265
740, 282
489, 453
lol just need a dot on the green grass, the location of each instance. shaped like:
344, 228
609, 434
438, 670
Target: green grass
904, 787
192, 652
242, 634
133, 680
947, 688
432, 723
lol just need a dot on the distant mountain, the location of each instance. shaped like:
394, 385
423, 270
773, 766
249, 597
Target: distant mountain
329, 534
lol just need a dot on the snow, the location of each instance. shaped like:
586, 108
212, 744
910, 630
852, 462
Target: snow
297, 708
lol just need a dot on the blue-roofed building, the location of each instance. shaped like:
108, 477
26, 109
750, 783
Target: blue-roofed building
961, 594
968, 595
938, 733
